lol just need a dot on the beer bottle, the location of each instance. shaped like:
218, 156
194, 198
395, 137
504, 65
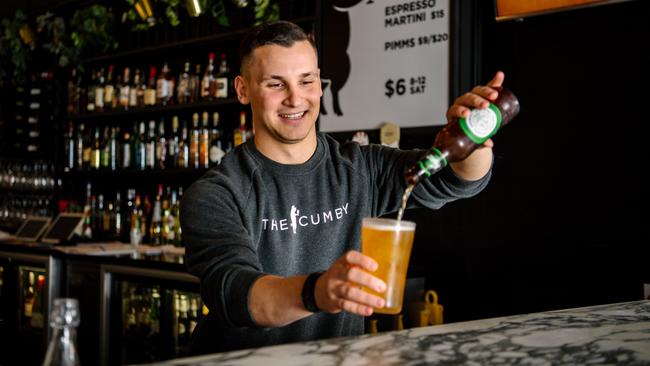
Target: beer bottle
462, 136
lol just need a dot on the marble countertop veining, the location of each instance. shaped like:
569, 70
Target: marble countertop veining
614, 334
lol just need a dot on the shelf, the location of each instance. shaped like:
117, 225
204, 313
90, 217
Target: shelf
195, 41
132, 173
154, 109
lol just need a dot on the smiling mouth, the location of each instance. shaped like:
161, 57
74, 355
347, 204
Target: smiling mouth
293, 116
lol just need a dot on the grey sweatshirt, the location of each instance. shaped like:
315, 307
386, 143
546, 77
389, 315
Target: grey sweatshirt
251, 216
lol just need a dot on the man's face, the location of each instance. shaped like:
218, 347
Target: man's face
283, 86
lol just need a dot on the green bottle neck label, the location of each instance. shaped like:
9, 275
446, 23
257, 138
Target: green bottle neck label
432, 162
481, 124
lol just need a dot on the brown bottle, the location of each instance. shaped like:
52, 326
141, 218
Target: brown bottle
462, 136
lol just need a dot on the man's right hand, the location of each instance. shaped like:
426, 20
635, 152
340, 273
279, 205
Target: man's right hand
339, 288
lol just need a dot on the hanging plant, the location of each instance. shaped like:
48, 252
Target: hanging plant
266, 11
92, 29
12, 46
218, 11
143, 15
52, 30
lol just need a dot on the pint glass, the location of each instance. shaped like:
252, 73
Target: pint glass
389, 242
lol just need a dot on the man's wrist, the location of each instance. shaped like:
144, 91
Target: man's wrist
309, 292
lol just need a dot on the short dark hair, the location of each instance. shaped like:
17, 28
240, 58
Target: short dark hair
281, 33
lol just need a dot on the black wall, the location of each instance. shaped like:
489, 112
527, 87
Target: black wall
563, 222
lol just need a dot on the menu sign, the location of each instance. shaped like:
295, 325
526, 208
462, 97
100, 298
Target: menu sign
384, 61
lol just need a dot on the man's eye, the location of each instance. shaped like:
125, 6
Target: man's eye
307, 82
275, 86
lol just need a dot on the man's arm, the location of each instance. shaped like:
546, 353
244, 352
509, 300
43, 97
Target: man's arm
478, 164
277, 301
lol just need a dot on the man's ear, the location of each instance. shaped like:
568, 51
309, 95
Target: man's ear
240, 88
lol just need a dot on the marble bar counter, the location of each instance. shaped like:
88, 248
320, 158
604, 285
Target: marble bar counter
615, 334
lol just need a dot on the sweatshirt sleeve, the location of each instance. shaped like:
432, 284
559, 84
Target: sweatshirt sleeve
219, 251
386, 168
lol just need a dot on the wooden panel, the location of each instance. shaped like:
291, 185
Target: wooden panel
508, 9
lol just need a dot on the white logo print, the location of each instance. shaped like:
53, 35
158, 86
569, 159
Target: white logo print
294, 214
295, 219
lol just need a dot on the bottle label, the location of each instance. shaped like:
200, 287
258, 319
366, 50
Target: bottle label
432, 162
481, 124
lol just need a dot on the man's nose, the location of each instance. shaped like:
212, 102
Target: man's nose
293, 97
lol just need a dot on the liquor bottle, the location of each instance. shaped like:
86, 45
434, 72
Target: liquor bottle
155, 230
239, 135
79, 147
146, 217
141, 88
204, 140
69, 148
87, 151
64, 320
172, 145
38, 317
117, 217
127, 150
183, 88
222, 79
208, 79
99, 91
164, 86
133, 90
151, 146
95, 161
216, 152
161, 146
127, 216
174, 218
462, 136
113, 149
106, 149
184, 148
150, 91
183, 321
167, 219
100, 229
109, 90
194, 142
140, 149
29, 298
90, 93
125, 89
135, 234
87, 229
195, 85
194, 313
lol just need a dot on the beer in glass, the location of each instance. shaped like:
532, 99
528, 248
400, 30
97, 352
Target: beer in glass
388, 242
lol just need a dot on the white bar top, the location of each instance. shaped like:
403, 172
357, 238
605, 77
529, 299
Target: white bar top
615, 334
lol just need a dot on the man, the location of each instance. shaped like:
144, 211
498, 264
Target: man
290, 203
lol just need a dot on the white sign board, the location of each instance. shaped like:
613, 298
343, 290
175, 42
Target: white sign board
391, 64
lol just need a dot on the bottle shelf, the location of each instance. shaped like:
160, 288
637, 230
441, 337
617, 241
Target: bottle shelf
153, 110
133, 173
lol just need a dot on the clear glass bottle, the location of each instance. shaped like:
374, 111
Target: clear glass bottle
64, 319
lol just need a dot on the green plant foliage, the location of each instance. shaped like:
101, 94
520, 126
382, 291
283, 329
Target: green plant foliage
52, 30
14, 54
92, 29
218, 11
266, 11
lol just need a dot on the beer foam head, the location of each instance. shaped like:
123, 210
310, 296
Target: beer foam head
388, 224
